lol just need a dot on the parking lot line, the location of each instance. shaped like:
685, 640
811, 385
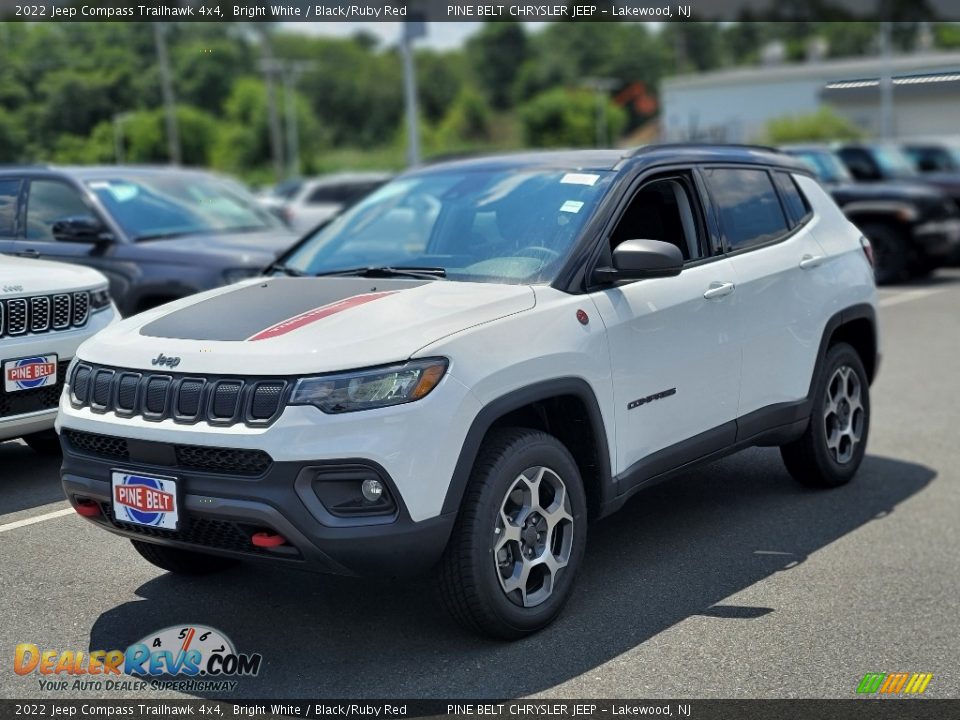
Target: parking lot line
36, 519
907, 296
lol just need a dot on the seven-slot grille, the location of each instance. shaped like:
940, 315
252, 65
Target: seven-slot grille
43, 313
186, 399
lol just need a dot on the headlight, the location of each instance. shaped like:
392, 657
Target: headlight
373, 388
238, 274
99, 299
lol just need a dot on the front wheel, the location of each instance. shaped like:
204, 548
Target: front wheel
832, 448
519, 540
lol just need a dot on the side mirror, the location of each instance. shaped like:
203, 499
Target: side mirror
81, 228
639, 259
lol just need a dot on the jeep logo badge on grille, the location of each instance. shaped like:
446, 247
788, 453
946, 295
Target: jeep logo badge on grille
170, 362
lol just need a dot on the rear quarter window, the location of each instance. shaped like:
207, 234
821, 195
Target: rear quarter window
796, 205
748, 206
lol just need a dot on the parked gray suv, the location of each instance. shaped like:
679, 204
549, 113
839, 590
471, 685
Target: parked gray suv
158, 234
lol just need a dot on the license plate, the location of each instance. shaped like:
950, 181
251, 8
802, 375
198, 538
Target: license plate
29, 373
145, 500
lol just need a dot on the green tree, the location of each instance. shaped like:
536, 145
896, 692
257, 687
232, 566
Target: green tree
824, 124
567, 118
496, 53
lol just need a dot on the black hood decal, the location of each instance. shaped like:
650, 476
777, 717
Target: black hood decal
241, 314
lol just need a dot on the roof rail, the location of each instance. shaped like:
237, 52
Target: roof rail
743, 146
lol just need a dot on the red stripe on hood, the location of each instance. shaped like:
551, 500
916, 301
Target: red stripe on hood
318, 313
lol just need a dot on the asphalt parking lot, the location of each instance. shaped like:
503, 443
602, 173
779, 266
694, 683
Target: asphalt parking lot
730, 582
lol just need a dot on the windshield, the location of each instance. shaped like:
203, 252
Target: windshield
503, 225
893, 161
825, 165
168, 204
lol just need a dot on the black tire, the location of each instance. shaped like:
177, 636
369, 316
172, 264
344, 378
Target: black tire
469, 576
810, 460
893, 257
181, 562
44, 443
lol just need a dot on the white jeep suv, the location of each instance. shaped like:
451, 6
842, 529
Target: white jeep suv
46, 310
468, 367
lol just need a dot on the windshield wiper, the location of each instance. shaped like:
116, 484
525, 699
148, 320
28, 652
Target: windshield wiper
385, 271
285, 269
165, 235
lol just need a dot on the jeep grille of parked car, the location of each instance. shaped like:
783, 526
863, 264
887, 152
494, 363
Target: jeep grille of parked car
186, 399
43, 313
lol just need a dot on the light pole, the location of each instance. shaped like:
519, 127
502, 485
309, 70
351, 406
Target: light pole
269, 66
169, 100
602, 87
118, 120
291, 72
886, 83
410, 30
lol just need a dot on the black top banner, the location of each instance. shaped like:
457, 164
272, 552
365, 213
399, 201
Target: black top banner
448, 11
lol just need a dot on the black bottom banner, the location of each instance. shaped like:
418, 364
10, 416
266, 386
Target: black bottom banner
865, 709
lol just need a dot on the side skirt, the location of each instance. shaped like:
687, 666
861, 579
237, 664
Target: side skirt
769, 426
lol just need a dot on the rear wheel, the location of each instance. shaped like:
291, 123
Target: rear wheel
832, 448
892, 256
511, 561
44, 443
181, 562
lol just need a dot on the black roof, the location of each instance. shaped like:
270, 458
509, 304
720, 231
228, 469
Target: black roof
617, 159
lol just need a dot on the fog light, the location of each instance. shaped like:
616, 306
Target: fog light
372, 490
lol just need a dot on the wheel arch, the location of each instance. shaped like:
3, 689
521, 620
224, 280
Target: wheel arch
564, 407
857, 326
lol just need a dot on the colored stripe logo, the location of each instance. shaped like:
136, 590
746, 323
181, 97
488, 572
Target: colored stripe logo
894, 683
318, 313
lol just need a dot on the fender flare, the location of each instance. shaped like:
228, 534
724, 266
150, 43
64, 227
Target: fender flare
861, 311
515, 399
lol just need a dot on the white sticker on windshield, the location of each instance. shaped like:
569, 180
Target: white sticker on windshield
571, 206
579, 179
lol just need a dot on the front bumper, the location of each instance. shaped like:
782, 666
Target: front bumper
938, 240
220, 512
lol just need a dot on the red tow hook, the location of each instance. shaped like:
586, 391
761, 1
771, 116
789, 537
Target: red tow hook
268, 540
86, 507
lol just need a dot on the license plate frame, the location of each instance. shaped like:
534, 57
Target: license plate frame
156, 505
52, 365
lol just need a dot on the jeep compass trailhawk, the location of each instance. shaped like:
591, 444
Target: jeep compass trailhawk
468, 367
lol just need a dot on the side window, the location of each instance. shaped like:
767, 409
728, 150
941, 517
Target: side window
9, 190
796, 205
48, 202
665, 210
860, 163
749, 209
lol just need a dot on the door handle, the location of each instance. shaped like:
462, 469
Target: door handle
29, 253
719, 289
808, 262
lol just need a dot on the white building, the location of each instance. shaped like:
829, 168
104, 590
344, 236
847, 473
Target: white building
735, 105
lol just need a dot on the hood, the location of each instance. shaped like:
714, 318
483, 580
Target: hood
258, 249
303, 326
949, 182
25, 276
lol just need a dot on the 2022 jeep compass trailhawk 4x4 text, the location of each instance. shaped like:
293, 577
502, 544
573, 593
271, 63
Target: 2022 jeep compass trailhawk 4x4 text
466, 368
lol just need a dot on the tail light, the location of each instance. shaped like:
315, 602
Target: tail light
868, 251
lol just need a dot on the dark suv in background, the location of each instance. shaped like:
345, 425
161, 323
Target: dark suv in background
914, 228
158, 234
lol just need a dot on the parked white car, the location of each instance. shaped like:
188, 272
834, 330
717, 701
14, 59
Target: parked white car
317, 200
470, 365
46, 310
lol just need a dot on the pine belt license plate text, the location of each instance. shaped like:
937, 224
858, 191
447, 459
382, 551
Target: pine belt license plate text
145, 500
29, 373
